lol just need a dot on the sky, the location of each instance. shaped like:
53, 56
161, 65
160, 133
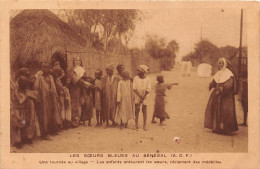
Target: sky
187, 26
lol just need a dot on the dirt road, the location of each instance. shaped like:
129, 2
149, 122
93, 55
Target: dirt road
186, 106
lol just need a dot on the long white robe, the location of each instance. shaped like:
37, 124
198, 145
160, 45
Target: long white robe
125, 111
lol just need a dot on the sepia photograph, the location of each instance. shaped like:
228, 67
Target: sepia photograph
128, 80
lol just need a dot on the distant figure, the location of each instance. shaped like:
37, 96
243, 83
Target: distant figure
159, 105
125, 108
189, 67
142, 89
220, 115
186, 67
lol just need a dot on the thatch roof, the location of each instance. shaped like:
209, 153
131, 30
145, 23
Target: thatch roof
36, 34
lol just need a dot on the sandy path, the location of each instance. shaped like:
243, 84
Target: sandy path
186, 106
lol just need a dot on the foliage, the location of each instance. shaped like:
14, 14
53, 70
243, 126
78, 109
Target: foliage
108, 24
206, 52
173, 46
97, 43
154, 46
228, 52
158, 49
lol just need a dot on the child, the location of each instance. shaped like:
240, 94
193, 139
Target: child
87, 104
24, 116
56, 65
142, 88
159, 106
64, 97
17, 120
110, 89
125, 109
98, 97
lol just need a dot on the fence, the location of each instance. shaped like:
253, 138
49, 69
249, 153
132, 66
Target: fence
141, 57
93, 60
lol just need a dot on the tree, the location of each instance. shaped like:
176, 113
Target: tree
116, 23
173, 46
195, 60
97, 43
109, 24
206, 52
228, 52
156, 47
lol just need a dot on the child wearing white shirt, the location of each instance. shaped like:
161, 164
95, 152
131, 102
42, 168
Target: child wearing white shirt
142, 88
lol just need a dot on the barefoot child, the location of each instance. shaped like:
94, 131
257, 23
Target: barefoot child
159, 106
98, 97
87, 104
142, 88
110, 89
125, 108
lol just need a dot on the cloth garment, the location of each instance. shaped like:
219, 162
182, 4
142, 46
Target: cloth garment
125, 111
47, 104
141, 85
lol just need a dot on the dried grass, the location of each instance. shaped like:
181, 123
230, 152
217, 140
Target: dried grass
36, 34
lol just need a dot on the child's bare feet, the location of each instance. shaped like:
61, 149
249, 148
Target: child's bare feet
106, 126
153, 121
145, 129
136, 128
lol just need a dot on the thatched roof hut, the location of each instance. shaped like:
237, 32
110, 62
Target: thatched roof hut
36, 34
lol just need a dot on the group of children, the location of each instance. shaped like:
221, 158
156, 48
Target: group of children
51, 100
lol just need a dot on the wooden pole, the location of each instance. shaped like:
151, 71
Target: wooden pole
240, 45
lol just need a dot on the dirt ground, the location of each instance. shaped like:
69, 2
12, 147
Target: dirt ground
186, 106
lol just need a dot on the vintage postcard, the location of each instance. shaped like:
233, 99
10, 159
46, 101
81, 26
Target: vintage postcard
129, 84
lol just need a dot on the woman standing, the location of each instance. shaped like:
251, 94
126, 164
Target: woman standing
220, 115
74, 89
47, 102
76, 84
25, 85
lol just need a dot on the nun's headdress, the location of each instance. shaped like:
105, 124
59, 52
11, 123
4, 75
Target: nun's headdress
224, 73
